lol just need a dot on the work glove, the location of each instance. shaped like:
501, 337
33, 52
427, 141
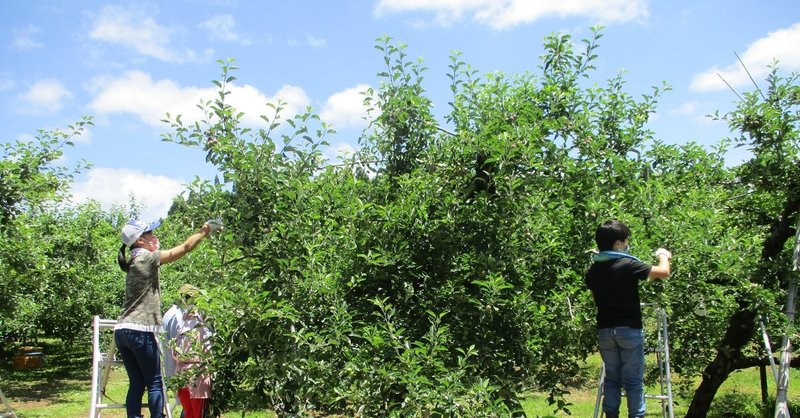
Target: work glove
214, 225
663, 251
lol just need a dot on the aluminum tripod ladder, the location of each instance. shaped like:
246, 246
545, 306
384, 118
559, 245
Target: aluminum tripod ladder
102, 363
7, 411
662, 357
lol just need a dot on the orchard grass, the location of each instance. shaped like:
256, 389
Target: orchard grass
62, 389
742, 386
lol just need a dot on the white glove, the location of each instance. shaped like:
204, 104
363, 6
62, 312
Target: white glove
214, 225
663, 251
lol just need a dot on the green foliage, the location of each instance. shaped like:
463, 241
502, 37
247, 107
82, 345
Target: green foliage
736, 405
768, 124
54, 256
404, 126
439, 272
28, 176
740, 405
58, 273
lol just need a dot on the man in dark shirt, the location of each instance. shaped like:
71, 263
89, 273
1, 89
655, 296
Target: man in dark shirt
614, 278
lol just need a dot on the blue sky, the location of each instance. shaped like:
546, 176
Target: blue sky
129, 63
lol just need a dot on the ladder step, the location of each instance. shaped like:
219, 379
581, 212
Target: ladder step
110, 406
647, 396
110, 363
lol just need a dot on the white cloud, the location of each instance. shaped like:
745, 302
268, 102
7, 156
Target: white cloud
506, 14
779, 45
135, 29
222, 28
688, 108
344, 149
345, 108
316, 42
85, 137
338, 151
310, 41
7, 84
696, 111
23, 38
46, 96
295, 98
135, 92
112, 186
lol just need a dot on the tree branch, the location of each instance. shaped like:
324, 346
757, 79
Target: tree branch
783, 228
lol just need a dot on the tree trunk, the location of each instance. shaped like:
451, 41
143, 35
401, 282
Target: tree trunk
741, 329
741, 325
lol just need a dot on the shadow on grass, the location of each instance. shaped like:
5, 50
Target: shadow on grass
67, 367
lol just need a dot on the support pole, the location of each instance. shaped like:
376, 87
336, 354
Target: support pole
762, 374
668, 373
7, 411
781, 402
97, 357
768, 347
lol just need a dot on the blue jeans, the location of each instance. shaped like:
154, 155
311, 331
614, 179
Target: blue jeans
622, 350
139, 351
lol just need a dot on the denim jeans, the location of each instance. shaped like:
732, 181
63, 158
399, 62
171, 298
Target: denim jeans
140, 354
622, 350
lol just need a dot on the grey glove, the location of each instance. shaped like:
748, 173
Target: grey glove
663, 251
214, 225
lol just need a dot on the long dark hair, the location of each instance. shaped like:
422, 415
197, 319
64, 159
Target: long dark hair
123, 261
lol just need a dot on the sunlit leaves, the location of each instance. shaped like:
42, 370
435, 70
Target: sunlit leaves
439, 269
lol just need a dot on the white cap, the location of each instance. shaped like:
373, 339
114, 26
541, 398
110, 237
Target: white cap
134, 229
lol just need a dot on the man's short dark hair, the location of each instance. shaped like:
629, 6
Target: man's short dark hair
610, 232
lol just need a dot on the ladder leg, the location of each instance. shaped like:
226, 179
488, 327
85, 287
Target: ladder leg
109, 356
101, 368
96, 358
8, 411
598, 412
667, 371
165, 394
662, 360
661, 366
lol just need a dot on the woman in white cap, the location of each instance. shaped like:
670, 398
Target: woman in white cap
136, 329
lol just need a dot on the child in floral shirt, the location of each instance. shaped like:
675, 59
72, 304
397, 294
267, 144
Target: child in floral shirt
192, 346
